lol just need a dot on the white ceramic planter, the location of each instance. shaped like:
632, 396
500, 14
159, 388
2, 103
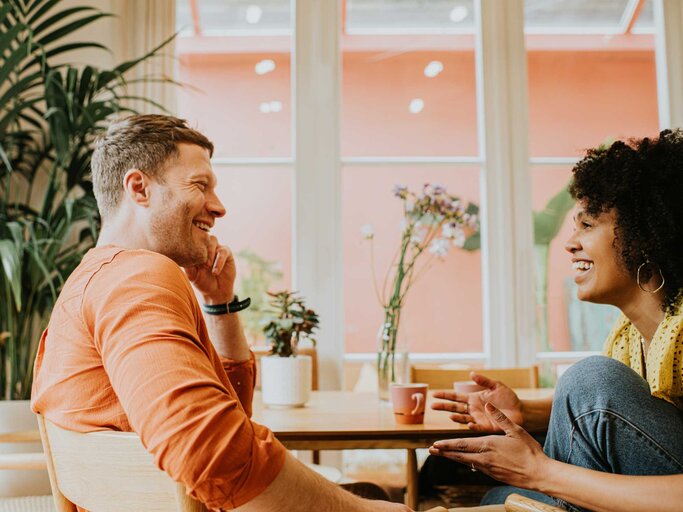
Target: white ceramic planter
16, 416
286, 381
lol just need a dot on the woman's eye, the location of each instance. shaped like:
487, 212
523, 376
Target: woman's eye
585, 224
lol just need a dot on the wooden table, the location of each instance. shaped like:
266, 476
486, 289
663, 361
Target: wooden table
344, 420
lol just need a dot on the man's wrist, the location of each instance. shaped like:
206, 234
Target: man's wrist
232, 307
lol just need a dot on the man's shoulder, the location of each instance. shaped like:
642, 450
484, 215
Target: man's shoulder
118, 266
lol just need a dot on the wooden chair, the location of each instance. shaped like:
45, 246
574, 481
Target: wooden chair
442, 377
24, 461
108, 472
517, 503
513, 503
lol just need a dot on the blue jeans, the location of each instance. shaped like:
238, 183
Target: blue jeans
604, 418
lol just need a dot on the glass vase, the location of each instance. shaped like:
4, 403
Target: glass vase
392, 359
392, 368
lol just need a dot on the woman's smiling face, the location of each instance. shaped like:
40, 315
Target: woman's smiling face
598, 268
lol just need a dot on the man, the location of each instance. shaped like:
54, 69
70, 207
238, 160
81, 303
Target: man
128, 348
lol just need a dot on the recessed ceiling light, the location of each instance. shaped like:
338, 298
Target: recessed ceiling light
433, 69
264, 66
276, 106
416, 106
264, 107
459, 13
253, 14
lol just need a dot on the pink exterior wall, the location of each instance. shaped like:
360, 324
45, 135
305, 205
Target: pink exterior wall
577, 100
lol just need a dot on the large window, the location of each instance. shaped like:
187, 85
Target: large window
592, 80
234, 63
406, 92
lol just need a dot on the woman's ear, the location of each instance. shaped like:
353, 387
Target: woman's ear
136, 185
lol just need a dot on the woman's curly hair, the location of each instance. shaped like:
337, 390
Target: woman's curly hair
642, 179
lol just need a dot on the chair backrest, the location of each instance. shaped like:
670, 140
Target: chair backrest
518, 503
260, 351
108, 472
442, 377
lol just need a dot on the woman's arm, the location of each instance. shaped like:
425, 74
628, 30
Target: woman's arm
607, 492
517, 459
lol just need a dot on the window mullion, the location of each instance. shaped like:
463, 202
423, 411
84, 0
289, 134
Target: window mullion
317, 233
507, 242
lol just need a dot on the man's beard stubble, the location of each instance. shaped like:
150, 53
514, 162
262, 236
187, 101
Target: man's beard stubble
168, 228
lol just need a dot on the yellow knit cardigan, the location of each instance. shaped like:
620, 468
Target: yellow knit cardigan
663, 364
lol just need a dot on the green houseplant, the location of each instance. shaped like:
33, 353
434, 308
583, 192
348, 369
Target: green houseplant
286, 376
49, 116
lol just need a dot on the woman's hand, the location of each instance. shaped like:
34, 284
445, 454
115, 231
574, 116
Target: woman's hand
515, 458
468, 408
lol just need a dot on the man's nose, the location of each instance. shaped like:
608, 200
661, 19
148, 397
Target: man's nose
215, 206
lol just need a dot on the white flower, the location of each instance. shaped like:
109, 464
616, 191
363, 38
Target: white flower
459, 240
439, 247
402, 225
367, 231
418, 236
286, 323
448, 231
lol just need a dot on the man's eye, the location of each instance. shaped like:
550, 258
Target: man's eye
202, 186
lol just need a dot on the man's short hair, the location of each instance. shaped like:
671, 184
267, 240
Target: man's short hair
147, 142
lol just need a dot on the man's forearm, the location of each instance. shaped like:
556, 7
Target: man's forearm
227, 335
299, 489
536, 414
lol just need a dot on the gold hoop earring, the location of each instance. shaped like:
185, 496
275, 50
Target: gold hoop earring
647, 262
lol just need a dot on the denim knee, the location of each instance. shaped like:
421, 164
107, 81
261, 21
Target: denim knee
592, 381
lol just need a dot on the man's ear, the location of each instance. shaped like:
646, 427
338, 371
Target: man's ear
136, 185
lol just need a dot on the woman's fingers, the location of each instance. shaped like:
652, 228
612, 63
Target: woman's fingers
462, 407
451, 395
465, 419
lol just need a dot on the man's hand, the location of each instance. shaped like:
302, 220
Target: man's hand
216, 278
515, 458
468, 408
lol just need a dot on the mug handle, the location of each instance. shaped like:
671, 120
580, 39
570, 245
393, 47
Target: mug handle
419, 397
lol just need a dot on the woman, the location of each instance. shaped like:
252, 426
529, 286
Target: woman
618, 417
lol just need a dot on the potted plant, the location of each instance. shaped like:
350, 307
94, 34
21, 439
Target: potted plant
49, 115
286, 376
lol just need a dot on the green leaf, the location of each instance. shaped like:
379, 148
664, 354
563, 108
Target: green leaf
11, 265
548, 222
69, 28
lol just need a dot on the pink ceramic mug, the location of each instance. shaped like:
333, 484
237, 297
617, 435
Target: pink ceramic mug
409, 402
467, 386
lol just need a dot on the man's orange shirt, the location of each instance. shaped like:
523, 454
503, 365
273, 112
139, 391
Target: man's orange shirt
127, 349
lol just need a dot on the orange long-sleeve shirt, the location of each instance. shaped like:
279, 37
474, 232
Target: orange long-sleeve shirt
127, 349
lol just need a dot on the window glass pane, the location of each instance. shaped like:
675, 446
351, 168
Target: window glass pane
575, 13
406, 96
563, 322
237, 88
443, 308
409, 15
585, 90
646, 18
257, 227
221, 17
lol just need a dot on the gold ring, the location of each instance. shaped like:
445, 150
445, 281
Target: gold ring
467, 408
